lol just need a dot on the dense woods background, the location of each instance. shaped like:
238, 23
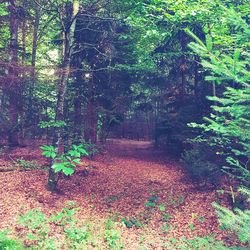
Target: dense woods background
75, 73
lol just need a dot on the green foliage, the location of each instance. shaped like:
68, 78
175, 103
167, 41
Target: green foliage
162, 207
37, 228
49, 151
192, 226
172, 131
6, 243
129, 223
150, 204
112, 235
236, 221
166, 217
176, 200
21, 163
152, 201
229, 122
65, 163
153, 198
90, 148
77, 235
226, 130
208, 242
33, 219
202, 219
52, 124
64, 217
199, 164
166, 228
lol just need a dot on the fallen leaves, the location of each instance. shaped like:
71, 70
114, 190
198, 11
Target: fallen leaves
118, 182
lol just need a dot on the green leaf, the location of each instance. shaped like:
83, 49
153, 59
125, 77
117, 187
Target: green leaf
77, 160
167, 217
83, 151
237, 55
58, 167
209, 42
202, 219
150, 204
74, 153
192, 226
68, 171
45, 147
196, 38
162, 207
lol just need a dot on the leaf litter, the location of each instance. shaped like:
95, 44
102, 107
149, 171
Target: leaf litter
130, 182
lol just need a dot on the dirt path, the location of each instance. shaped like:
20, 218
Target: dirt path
129, 180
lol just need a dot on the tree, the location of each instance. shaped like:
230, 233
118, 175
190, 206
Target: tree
229, 123
11, 90
70, 12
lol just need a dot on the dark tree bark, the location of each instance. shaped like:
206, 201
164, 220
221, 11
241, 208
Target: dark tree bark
77, 111
21, 96
35, 39
182, 68
24, 27
13, 76
90, 122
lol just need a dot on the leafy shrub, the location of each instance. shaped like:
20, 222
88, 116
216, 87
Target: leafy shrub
65, 163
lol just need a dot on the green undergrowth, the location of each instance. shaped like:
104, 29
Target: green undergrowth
65, 230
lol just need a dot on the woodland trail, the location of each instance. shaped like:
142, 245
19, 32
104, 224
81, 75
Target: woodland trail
122, 181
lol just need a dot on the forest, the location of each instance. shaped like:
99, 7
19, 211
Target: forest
124, 124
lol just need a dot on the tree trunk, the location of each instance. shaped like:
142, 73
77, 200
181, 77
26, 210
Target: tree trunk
22, 112
196, 82
77, 119
24, 27
182, 68
78, 103
91, 119
62, 87
13, 75
35, 38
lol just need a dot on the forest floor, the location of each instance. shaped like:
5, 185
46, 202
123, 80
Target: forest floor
147, 194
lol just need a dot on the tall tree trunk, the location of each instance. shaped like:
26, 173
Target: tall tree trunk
196, 82
69, 30
31, 115
35, 38
24, 27
13, 75
77, 113
22, 113
182, 68
91, 119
